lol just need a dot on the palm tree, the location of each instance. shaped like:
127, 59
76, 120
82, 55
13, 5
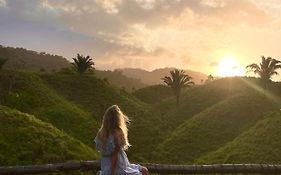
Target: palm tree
177, 81
82, 64
2, 62
210, 78
266, 69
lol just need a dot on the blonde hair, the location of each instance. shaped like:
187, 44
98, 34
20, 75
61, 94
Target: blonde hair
114, 123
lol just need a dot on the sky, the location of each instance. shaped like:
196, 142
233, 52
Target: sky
201, 35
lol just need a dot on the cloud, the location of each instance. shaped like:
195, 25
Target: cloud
3, 3
213, 3
214, 64
146, 33
110, 6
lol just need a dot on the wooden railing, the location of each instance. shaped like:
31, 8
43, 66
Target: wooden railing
153, 168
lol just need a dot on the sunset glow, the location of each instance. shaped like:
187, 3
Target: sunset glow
229, 66
155, 34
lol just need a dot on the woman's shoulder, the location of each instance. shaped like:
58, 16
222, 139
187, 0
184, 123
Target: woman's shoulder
110, 138
109, 146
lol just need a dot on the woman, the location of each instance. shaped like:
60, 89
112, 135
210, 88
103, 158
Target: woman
112, 141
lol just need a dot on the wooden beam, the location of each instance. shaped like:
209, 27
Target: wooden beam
153, 168
49, 168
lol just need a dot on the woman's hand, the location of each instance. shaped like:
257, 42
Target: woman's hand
144, 170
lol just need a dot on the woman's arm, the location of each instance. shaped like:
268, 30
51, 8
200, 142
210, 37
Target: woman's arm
114, 159
115, 153
144, 170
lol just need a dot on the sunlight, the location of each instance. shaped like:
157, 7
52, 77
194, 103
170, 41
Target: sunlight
229, 66
259, 89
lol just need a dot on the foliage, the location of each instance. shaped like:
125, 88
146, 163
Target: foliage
177, 81
2, 62
266, 69
210, 78
153, 94
82, 64
26, 140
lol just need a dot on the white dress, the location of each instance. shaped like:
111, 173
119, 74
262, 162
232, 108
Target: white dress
123, 167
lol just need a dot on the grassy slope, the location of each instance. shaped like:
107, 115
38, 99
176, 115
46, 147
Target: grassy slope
164, 117
90, 93
153, 94
214, 127
26, 140
198, 98
76, 104
95, 95
73, 103
28, 93
260, 144
194, 101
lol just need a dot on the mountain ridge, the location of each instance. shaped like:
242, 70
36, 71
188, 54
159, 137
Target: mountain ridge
154, 77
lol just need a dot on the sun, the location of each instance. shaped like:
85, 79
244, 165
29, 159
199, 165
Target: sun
229, 67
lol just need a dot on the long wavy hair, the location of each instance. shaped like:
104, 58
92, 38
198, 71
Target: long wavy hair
114, 123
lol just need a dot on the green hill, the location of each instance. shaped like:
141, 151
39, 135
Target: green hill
26, 140
208, 117
27, 92
92, 94
20, 58
153, 94
72, 103
195, 100
161, 119
260, 144
215, 126
95, 95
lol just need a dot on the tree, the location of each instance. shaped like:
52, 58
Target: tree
2, 62
265, 70
177, 81
82, 64
210, 78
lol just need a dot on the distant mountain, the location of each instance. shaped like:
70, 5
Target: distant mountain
118, 79
154, 77
20, 58
127, 78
